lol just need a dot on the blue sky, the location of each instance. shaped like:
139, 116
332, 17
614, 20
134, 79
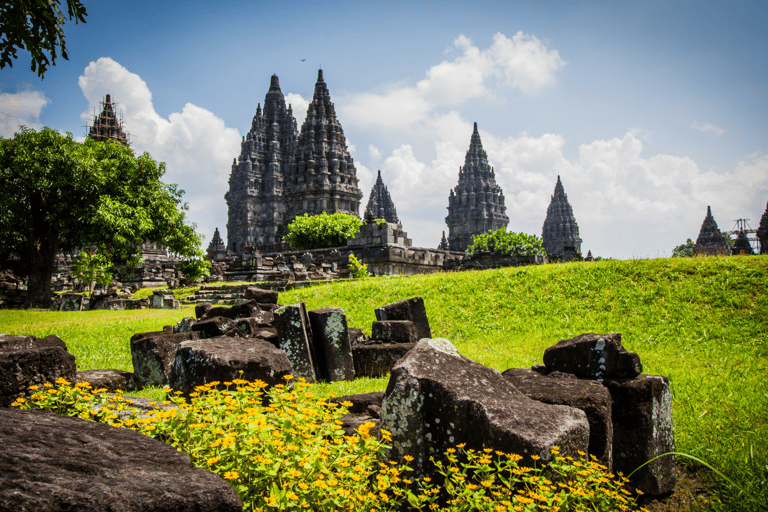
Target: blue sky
649, 110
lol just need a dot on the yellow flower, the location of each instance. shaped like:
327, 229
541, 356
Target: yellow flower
535, 457
231, 475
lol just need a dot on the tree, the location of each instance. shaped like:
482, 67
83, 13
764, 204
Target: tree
684, 251
321, 231
506, 243
60, 195
35, 25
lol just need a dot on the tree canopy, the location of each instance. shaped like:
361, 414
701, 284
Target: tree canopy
322, 231
506, 243
35, 25
57, 194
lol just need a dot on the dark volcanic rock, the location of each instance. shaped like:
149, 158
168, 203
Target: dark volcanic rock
294, 335
201, 309
21, 368
213, 327
409, 309
396, 331
374, 358
593, 356
52, 463
223, 359
330, 335
13, 342
152, 355
111, 380
361, 402
261, 296
437, 398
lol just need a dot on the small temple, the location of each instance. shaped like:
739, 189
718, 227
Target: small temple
560, 233
106, 125
762, 232
711, 241
476, 204
380, 205
216, 249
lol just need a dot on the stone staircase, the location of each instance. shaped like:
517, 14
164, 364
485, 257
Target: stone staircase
229, 295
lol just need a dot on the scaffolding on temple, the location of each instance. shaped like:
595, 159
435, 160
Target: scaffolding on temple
742, 230
108, 125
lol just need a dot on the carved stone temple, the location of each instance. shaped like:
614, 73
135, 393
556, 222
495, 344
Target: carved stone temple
281, 173
106, 125
380, 205
762, 232
476, 204
560, 233
711, 241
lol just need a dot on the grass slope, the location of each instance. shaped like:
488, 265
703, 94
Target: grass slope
701, 322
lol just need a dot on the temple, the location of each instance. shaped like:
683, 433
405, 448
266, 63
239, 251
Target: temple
711, 241
216, 249
107, 126
476, 204
380, 205
762, 232
560, 233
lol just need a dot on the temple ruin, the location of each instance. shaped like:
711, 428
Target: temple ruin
380, 205
711, 241
762, 232
107, 125
560, 233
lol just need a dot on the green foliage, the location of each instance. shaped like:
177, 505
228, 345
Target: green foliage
195, 269
61, 195
322, 231
292, 453
358, 268
35, 25
506, 243
685, 250
91, 268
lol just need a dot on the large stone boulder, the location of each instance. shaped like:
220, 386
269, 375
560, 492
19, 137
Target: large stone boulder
642, 430
436, 398
213, 327
261, 296
294, 336
396, 331
331, 340
593, 356
565, 389
375, 358
52, 463
225, 359
15, 342
111, 380
21, 368
409, 309
152, 355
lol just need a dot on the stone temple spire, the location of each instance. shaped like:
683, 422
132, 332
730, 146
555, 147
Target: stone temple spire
255, 198
560, 233
216, 249
380, 205
323, 177
711, 241
762, 232
476, 204
107, 126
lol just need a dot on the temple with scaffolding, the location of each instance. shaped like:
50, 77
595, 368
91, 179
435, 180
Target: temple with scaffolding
108, 125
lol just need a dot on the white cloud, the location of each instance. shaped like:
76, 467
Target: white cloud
707, 127
374, 152
197, 147
20, 109
299, 106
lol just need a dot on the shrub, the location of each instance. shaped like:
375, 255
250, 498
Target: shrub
506, 243
358, 268
322, 231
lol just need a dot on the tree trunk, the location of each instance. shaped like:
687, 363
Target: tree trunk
40, 275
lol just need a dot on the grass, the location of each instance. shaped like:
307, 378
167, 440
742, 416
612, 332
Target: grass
701, 322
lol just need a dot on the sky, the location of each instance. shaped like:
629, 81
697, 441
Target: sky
649, 111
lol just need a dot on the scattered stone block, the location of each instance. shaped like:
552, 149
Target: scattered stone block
374, 358
213, 327
361, 402
261, 296
565, 389
356, 335
111, 380
53, 463
223, 359
152, 356
396, 331
163, 299
642, 430
202, 309
409, 309
437, 398
21, 368
294, 336
74, 302
15, 342
330, 336
263, 318
593, 356
184, 325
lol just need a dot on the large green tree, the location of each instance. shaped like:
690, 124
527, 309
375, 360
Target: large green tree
35, 25
57, 194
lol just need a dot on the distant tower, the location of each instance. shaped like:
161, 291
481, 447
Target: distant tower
323, 177
560, 233
762, 232
216, 249
380, 205
443, 243
255, 201
106, 125
742, 245
711, 241
476, 204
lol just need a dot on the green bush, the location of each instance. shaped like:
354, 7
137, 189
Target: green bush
322, 231
684, 250
358, 268
506, 243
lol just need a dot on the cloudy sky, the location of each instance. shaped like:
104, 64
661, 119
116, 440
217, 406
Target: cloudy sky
648, 110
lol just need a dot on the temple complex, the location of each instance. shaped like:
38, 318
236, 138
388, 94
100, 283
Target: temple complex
106, 125
476, 204
762, 232
560, 233
380, 205
711, 241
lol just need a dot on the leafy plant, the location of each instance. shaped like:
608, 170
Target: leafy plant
358, 268
92, 267
684, 250
322, 231
195, 269
506, 243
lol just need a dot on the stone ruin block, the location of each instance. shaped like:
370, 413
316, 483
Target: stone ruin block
436, 399
19, 342
224, 359
374, 358
213, 327
593, 356
152, 355
23, 367
184, 325
565, 389
396, 331
74, 302
409, 309
163, 299
331, 341
202, 309
111, 380
642, 430
294, 336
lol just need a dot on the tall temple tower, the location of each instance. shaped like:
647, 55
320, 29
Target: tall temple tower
762, 232
711, 241
380, 205
560, 233
106, 125
476, 204
256, 185
322, 177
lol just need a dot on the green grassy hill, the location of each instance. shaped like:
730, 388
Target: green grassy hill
703, 322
